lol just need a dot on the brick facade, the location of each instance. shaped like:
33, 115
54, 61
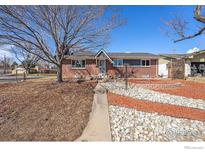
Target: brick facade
69, 72
134, 72
92, 69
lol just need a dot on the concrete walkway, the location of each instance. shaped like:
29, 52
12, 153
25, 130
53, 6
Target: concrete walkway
98, 128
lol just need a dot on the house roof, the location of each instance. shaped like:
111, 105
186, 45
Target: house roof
103, 51
84, 54
194, 53
187, 55
130, 55
173, 55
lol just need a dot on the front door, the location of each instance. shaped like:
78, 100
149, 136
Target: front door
102, 67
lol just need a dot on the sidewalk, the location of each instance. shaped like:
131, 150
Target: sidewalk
98, 128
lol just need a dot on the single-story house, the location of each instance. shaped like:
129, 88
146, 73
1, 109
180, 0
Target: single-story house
193, 63
140, 65
18, 70
43, 69
164, 66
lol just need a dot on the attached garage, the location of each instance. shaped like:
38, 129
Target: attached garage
172, 66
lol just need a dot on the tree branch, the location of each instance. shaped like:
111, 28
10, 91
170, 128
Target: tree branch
191, 36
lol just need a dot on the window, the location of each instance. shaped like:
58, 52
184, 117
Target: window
78, 63
118, 62
132, 62
145, 63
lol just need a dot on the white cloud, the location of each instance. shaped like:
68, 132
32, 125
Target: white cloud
195, 49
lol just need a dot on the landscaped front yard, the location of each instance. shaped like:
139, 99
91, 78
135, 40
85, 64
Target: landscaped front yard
157, 110
44, 110
184, 88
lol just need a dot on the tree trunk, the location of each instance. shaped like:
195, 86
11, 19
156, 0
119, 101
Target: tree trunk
27, 71
59, 73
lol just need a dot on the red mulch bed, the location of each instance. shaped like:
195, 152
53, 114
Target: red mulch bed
188, 89
163, 109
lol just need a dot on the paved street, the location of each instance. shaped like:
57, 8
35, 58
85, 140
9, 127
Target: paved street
11, 79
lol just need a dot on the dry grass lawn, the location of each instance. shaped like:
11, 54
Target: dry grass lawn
44, 110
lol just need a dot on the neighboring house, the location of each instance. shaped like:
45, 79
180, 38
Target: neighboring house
18, 70
196, 60
41, 69
164, 67
140, 65
193, 63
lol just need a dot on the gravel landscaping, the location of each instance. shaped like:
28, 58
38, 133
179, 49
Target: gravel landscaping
157, 86
150, 95
190, 89
160, 108
133, 125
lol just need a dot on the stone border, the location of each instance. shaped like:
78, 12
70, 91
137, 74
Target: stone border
157, 86
153, 96
162, 109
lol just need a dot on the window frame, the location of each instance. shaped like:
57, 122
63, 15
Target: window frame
75, 64
134, 65
145, 62
118, 65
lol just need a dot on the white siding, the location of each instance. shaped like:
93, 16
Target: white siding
162, 67
163, 70
187, 68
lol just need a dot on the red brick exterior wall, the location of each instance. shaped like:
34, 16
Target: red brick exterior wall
92, 69
68, 72
134, 72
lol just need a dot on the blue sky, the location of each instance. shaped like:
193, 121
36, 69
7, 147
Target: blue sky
142, 33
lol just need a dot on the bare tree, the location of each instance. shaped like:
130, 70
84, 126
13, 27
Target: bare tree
179, 26
56, 31
45, 64
26, 59
6, 62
